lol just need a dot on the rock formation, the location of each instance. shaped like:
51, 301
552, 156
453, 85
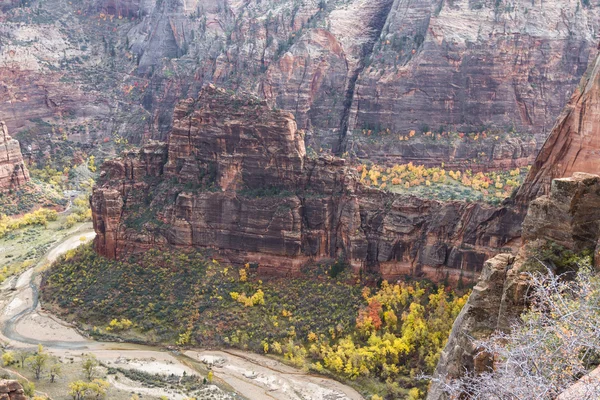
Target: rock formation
574, 144
13, 172
567, 216
338, 66
234, 177
11, 390
474, 63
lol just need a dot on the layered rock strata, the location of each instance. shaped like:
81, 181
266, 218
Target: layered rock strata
234, 177
574, 143
342, 66
13, 171
567, 216
339, 66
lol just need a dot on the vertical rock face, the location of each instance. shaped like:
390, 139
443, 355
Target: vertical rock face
567, 216
122, 8
13, 172
574, 144
477, 319
11, 390
244, 142
469, 64
339, 66
235, 177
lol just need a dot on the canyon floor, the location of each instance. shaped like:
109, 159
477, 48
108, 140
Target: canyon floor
237, 374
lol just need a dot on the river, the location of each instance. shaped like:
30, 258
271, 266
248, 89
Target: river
239, 374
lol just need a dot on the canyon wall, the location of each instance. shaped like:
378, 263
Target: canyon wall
234, 177
118, 67
13, 171
569, 217
574, 143
565, 215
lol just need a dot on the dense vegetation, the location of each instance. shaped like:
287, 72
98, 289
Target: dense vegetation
442, 184
30, 196
39, 217
377, 338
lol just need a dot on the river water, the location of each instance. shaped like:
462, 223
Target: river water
238, 374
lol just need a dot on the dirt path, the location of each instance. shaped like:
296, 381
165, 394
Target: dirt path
23, 324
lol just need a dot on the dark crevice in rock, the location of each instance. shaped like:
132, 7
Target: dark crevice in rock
376, 24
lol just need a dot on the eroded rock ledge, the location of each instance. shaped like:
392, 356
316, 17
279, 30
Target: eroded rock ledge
234, 177
11, 390
568, 216
13, 171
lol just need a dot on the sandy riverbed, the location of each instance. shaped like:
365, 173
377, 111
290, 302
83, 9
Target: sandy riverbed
251, 375
260, 377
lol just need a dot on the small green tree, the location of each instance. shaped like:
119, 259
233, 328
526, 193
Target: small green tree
78, 389
55, 370
22, 356
8, 358
38, 361
97, 388
90, 366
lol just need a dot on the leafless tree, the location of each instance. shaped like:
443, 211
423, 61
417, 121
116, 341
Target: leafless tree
555, 344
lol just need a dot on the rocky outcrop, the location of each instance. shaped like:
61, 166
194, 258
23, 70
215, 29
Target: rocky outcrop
567, 216
13, 171
234, 177
478, 319
11, 390
574, 144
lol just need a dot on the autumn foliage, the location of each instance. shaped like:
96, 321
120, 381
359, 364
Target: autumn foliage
375, 337
403, 177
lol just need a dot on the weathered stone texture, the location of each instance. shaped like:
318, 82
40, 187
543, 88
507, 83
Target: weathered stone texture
13, 171
338, 66
574, 144
567, 216
234, 177
11, 390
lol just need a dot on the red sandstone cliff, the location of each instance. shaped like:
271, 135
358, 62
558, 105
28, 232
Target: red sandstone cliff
338, 66
234, 177
574, 144
13, 172
566, 214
